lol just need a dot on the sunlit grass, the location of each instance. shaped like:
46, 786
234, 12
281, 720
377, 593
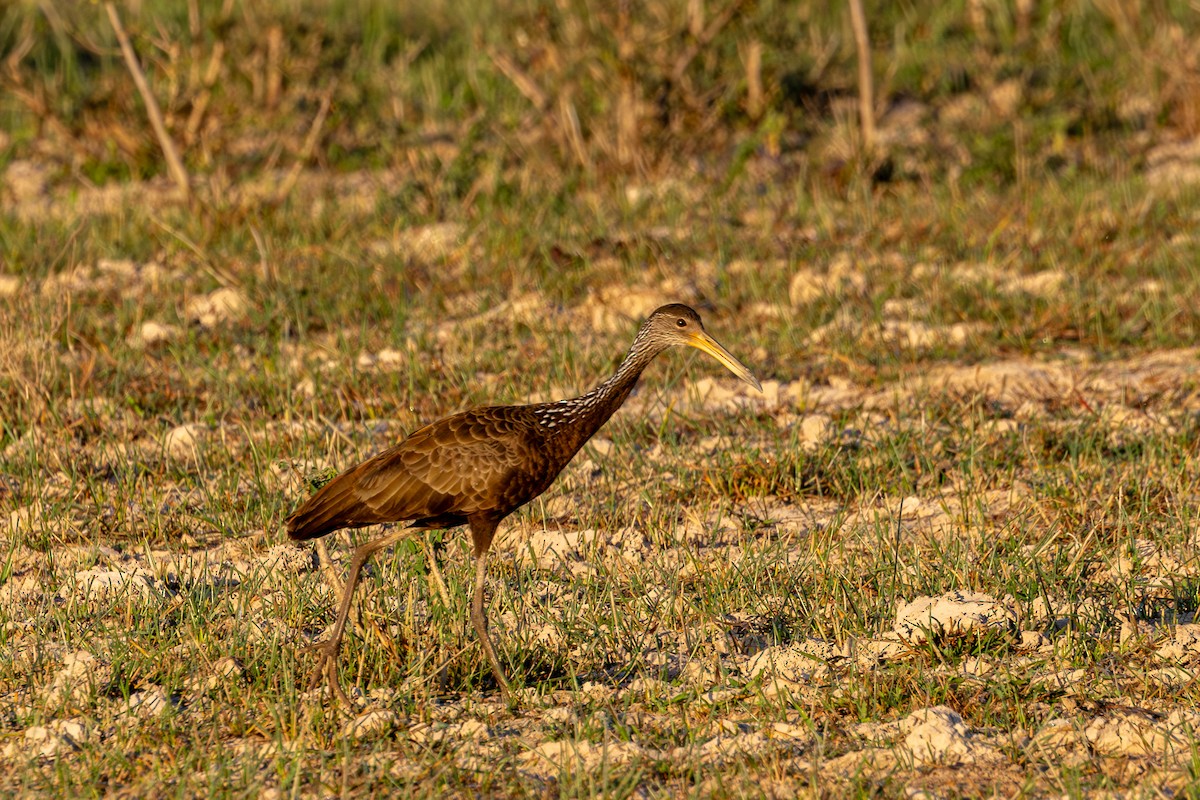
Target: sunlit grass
1033, 241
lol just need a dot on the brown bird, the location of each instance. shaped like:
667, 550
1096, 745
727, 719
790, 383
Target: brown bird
477, 467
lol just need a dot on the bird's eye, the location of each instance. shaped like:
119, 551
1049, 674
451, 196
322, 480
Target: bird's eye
681, 323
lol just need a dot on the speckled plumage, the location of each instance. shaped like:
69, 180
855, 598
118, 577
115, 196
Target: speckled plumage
478, 466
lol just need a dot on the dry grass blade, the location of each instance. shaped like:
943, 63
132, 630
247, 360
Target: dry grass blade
866, 78
706, 36
170, 152
520, 79
309, 146
952, 550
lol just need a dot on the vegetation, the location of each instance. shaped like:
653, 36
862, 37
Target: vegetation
977, 340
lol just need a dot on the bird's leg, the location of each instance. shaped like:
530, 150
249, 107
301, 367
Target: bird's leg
479, 620
328, 650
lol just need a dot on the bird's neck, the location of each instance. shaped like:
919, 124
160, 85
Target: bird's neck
590, 411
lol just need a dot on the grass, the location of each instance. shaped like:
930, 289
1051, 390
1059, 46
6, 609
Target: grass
997, 366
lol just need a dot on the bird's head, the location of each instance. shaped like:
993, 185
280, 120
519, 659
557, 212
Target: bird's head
677, 325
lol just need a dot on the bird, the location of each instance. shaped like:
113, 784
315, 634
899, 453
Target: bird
475, 468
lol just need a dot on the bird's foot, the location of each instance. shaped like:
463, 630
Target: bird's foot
326, 669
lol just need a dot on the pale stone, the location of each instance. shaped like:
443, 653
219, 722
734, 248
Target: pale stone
23, 518
372, 725
117, 268
150, 702
98, 584
217, 308
797, 662
1006, 97
815, 430
288, 559
81, 674
954, 612
57, 738
551, 548
1183, 646
152, 333
938, 735
181, 441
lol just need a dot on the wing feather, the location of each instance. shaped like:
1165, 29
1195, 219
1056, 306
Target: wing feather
477, 461
457, 464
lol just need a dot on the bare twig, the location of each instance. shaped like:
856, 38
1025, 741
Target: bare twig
695, 17
715, 27
569, 119
200, 106
266, 267
37, 105
627, 108
174, 163
866, 81
222, 275
520, 79
310, 144
274, 70
754, 85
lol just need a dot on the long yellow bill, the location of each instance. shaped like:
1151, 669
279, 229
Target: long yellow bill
702, 341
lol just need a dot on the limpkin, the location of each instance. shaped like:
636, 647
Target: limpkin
477, 467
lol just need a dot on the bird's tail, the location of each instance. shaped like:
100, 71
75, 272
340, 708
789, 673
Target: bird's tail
326, 511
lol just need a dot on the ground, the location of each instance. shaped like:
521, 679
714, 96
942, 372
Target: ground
949, 551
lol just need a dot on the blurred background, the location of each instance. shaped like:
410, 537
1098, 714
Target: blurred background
473, 101
244, 244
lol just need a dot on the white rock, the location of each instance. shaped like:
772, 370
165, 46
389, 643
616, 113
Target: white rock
1057, 734
81, 674
150, 702
797, 662
580, 757
558, 715
181, 441
23, 518
806, 287
1069, 681
602, 447
228, 668
890, 646
1172, 677
372, 725
1033, 640
288, 559
1183, 646
954, 612
1042, 284
390, 358
550, 548
430, 242
456, 733
1129, 733
217, 308
117, 268
815, 430
386, 360
57, 738
152, 333
224, 672
97, 584
938, 735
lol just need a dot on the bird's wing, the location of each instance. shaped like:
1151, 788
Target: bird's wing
458, 465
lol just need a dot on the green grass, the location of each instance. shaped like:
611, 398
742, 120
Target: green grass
719, 531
